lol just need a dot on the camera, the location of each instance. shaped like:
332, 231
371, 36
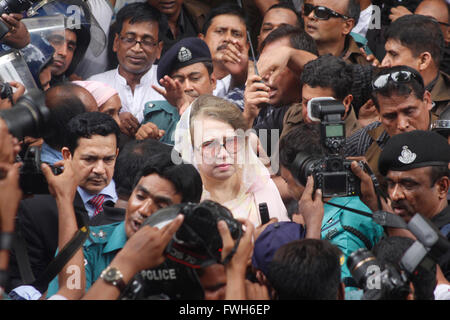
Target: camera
393, 283
6, 91
29, 116
332, 173
31, 178
12, 6
196, 244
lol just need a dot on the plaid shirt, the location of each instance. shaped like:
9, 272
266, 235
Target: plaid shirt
358, 143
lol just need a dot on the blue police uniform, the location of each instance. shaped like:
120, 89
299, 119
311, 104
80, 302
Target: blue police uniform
99, 250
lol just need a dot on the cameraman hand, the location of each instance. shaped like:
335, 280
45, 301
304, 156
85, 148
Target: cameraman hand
237, 266
10, 195
368, 194
20, 90
64, 185
18, 36
144, 250
9, 145
311, 208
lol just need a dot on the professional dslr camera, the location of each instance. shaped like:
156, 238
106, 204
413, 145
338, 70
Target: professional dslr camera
332, 173
196, 244
393, 282
29, 117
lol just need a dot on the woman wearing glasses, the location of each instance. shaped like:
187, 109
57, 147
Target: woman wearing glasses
211, 135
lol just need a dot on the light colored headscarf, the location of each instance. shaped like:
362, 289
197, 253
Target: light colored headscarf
256, 187
99, 90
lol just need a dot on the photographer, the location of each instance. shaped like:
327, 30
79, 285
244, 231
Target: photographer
158, 186
91, 146
306, 139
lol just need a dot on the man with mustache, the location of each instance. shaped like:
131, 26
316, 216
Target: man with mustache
185, 72
415, 166
225, 33
91, 147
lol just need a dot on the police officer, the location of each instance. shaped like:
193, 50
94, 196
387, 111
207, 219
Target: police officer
415, 165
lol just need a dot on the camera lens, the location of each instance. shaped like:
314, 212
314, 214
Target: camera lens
358, 263
303, 166
28, 117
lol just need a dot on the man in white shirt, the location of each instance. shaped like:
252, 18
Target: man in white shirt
137, 46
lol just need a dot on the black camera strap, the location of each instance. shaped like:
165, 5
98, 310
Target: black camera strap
62, 257
56, 265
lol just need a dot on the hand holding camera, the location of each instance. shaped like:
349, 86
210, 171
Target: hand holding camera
311, 208
60, 185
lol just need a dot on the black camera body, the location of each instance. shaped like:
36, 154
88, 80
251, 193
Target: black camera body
393, 283
32, 179
332, 173
29, 116
196, 244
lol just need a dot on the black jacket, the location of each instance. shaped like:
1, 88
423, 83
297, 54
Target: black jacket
37, 224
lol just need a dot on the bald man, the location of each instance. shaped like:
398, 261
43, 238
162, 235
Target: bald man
64, 101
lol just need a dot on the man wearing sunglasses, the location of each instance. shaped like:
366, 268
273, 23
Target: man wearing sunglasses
403, 105
417, 41
329, 23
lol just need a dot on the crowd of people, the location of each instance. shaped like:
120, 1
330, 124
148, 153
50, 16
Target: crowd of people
307, 133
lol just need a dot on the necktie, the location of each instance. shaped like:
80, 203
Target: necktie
97, 203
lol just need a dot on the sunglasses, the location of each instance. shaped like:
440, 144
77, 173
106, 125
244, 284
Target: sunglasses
321, 12
398, 77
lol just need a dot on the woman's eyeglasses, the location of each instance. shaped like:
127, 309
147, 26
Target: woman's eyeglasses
211, 148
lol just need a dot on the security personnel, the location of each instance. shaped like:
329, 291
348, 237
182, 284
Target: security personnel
403, 105
415, 166
185, 71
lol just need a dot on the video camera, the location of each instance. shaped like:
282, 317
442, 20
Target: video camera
196, 244
332, 173
430, 247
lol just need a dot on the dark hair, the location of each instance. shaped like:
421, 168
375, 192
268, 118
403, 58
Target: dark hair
391, 250
185, 177
141, 12
87, 124
419, 34
298, 38
227, 8
329, 71
288, 6
306, 269
438, 172
304, 138
415, 86
63, 107
131, 160
353, 10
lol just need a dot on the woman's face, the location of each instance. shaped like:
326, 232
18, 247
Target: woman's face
217, 148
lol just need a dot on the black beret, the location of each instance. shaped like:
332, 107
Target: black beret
415, 149
183, 53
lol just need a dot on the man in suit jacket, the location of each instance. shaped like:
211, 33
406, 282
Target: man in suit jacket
91, 147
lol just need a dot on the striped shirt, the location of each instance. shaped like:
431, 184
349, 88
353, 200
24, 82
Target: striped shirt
359, 142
